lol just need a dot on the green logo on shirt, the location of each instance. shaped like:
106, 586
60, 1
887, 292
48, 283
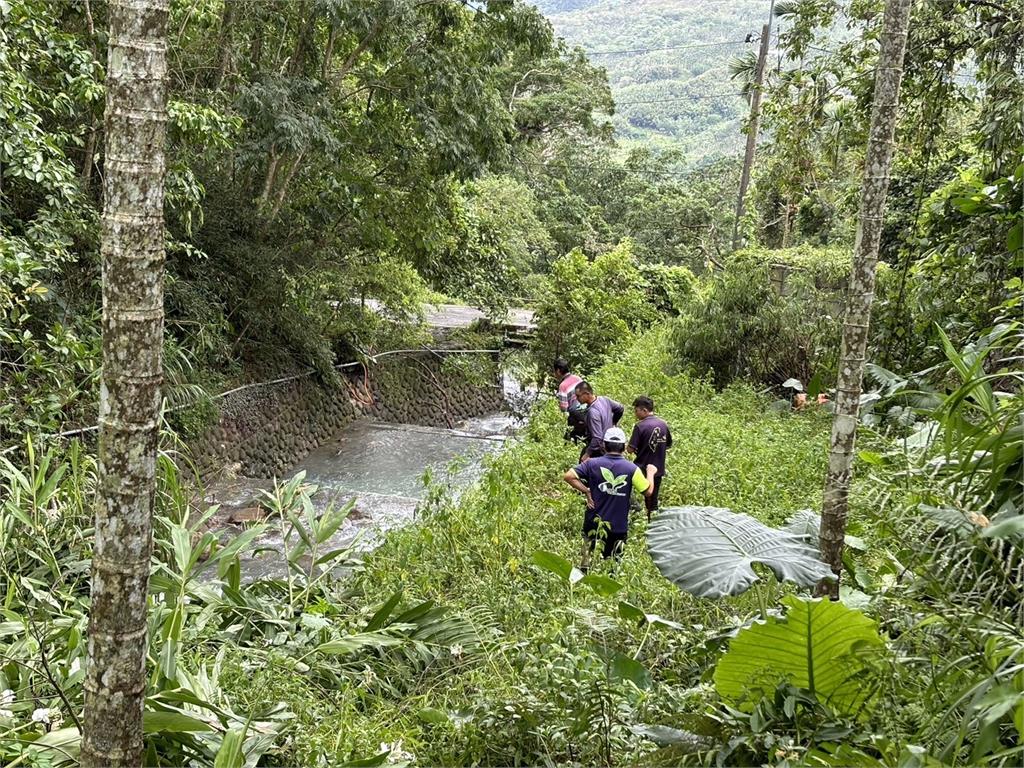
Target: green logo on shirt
612, 484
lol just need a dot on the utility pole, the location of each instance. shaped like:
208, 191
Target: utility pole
755, 114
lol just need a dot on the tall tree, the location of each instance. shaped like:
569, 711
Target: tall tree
133, 257
861, 292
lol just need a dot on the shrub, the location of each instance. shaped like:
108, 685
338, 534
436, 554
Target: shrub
668, 288
588, 309
768, 316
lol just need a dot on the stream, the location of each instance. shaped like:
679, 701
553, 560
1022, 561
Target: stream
378, 465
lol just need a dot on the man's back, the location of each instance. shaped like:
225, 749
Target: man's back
567, 391
602, 414
611, 480
650, 439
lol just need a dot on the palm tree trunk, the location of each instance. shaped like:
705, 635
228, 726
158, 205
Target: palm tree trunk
133, 254
861, 293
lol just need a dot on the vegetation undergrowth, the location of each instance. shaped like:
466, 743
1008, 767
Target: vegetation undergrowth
466, 638
539, 688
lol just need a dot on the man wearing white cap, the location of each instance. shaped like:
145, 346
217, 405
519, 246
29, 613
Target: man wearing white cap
607, 482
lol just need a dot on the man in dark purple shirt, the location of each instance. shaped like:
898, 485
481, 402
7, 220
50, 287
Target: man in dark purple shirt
603, 413
650, 440
607, 482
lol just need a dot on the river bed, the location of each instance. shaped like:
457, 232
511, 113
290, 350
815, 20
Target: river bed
378, 466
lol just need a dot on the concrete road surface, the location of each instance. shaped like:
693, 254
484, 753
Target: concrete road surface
457, 316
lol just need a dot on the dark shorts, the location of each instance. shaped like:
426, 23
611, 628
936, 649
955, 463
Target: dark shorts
651, 502
613, 542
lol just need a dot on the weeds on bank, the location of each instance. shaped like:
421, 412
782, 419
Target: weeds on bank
448, 645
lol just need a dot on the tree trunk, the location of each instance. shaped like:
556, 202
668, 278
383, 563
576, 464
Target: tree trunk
225, 42
861, 293
90, 143
279, 201
132, 252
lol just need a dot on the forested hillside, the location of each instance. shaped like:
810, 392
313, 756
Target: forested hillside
668, 66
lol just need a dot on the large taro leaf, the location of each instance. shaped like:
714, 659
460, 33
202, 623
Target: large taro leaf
708, 551
820, 646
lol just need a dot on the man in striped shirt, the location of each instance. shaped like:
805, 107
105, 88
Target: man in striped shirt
566, 384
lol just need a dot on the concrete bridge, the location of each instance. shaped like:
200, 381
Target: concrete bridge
517, 325
518, 321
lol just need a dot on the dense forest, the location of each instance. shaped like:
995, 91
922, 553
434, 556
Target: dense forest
326, 171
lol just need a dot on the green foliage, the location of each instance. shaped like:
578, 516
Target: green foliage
945, 506
952, 197
504, 241
591, 197
745, 322
971, 260
669, 288
48, 350
570, 667
589, 310
298, 137
709, 552
820, 646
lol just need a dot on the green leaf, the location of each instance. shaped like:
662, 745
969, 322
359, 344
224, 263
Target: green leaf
602, 585
607, 475
230, 754
627, 668
1015, 238
1010, 528
59, 747
382, 614
665, 736
631, 612
816, 387
708, 551
433, 716
155, 721
358, 642
368, 762
821, 646
870, 457
556, 564
332, 521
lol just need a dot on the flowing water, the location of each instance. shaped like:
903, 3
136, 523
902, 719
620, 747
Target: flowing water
378, 466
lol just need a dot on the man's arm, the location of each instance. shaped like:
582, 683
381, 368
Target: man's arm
634, 439
617, 411
641, 484
574, 482
668, 439
595, 431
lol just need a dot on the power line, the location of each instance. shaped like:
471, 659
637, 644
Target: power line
694, 97
666, 48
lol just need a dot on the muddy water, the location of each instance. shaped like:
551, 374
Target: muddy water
381, 468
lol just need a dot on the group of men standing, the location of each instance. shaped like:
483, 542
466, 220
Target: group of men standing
604, 475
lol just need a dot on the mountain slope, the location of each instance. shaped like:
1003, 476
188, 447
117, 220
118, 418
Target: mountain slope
681, 97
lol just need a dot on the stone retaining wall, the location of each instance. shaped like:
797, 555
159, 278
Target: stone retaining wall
266, 430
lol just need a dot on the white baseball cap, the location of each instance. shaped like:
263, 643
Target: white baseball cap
614, 435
